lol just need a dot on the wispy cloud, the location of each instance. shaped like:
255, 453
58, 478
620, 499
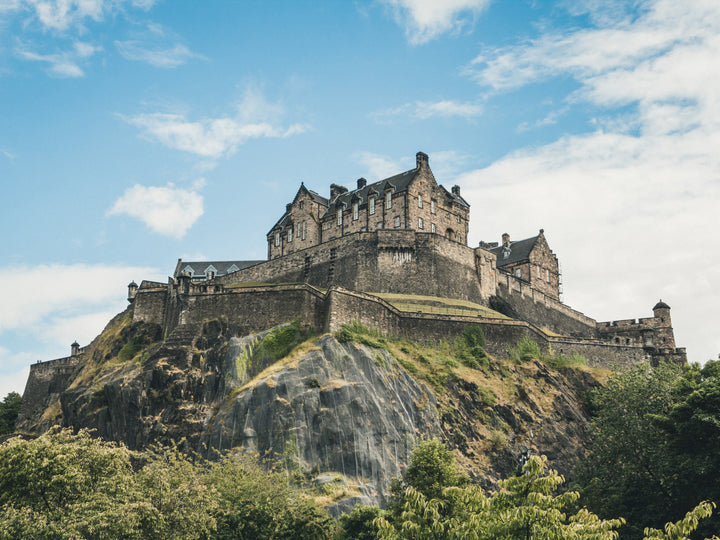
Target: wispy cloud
627, 210
61, 15
254, 118
157, 47
423, 110
168, 210
425, 20
64, 64
377, 166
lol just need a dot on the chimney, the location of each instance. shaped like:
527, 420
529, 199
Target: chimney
288, 207
506, 240
456, 190
361, 183
421, 160
336, 190
132, 291
75, 349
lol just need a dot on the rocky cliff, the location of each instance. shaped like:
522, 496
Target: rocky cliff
342, 409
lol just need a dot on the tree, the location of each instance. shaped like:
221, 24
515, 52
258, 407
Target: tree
9, 409
525, 507
629, 470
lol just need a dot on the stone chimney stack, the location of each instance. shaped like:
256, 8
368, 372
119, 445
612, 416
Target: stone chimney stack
361, 183
456, 190
335, 190
421, 160
132, 291
288, 207
506, 240
75, 349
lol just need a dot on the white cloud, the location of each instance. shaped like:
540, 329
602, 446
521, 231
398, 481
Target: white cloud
52, 289
63, 64
169, 210
631, 209
157, 47
377, 166
61, 15
423, 110
13, 381
425, 20
215, 137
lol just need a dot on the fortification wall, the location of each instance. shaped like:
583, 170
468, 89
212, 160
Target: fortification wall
533, 306
399, 261
150, 303
257, 308
45, 383
598, 354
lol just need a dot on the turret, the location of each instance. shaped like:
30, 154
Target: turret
75, 349
132, 291
663, 325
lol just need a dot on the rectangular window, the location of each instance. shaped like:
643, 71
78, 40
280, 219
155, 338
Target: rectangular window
547, 276
290, 234
421, 225
432, 227
432, 206
518, 272
539, 273
371, 206
458, 218
388, 200
419, 201
356, 210
380, 225
339, 217
277, 239
397, 221
304, 229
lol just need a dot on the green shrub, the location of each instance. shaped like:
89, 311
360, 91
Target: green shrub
526, 349
561, 361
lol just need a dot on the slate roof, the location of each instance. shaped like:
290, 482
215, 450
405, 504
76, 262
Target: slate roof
221, 267
661, 305
519, 251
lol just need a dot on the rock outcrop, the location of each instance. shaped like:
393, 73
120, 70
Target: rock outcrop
339, 412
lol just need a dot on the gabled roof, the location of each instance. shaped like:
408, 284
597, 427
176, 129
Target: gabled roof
518, 251
457, 197
284, 219
398, 183
221, 267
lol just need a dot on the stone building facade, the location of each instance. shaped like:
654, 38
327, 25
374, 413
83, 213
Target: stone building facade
411, 200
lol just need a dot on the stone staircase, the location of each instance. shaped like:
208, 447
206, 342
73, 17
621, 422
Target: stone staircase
183, 337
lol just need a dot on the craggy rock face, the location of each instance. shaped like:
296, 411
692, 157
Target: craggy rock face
345, 408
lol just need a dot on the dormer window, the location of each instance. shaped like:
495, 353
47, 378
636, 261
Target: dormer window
277, 239
371, 205
388, 200
356, 210
210, 272
420, 201
189, 270
290, 234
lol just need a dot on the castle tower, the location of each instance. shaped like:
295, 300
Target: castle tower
132, 291
665, 338
75, 349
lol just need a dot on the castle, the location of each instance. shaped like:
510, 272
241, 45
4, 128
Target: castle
392, 254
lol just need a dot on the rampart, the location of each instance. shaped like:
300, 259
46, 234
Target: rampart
517, 299
45, 383
399, 261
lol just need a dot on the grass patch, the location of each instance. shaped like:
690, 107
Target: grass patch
561, 361
357, 332
525, 350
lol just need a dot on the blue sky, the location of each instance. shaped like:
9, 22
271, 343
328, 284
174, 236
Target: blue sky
134, 132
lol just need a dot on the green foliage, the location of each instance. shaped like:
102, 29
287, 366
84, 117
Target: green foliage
9, 409
359, 333
636, 467
525, 349
279, 342
130, 349
524, 507
681, 529
561, 361
359, 524
258, 504
65, 486
469, 347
